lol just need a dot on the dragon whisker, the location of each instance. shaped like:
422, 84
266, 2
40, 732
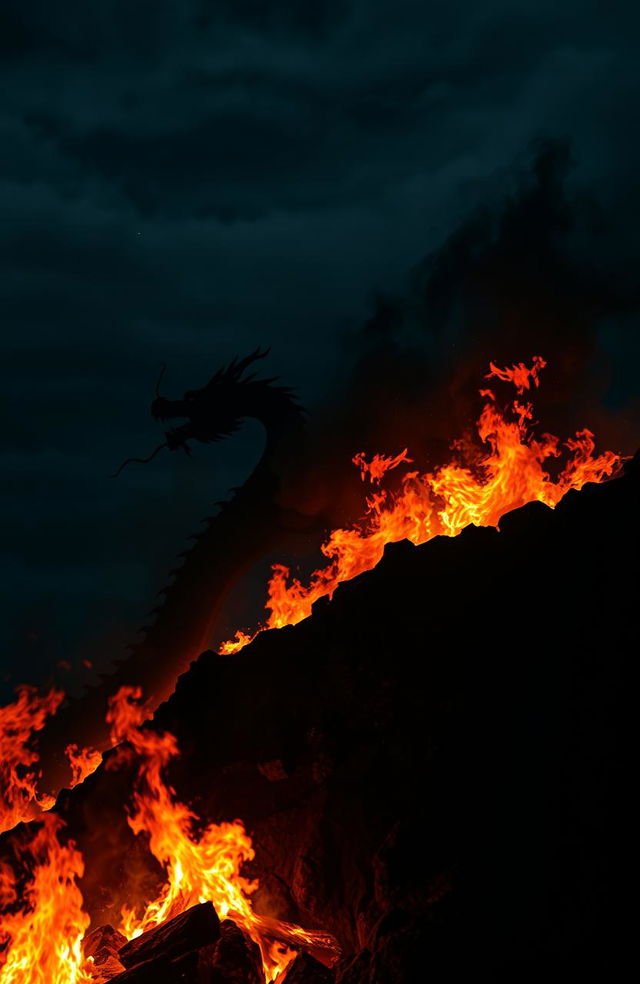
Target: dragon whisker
141, 461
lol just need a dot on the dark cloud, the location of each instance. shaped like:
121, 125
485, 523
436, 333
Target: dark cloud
542, 270
183, 181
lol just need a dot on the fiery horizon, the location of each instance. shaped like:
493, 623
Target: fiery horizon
500, 468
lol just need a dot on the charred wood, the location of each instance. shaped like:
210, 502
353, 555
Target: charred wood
191, 930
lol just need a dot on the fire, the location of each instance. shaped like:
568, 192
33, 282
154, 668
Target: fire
520, 375
504, 468
43, 923
379, 465
200, 864
83, 762
239, 641
43, 936
43, 920
19, 721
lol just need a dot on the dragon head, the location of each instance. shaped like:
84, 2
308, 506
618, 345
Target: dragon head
216, 410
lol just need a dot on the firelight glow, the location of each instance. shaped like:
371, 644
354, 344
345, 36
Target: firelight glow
42, 916
483, 480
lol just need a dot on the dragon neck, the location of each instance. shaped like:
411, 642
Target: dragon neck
242, 530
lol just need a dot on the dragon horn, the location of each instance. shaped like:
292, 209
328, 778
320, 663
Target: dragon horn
163, 369
238, 366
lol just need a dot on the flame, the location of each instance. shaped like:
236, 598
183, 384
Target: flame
83, 762
520, 375
379, 465
201, 864
502, 469
126, 713
43, 936
19, 721
239, 641
43, 921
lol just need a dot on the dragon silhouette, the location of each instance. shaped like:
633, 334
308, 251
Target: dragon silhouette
246, 528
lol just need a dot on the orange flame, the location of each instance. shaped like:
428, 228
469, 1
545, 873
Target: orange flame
43, 937
239, 641
126, 712
19, 721
379, 465
520, 375
483, 481
43, 922
83, 762
200, 866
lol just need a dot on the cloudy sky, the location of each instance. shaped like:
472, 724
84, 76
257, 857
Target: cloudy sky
183, 181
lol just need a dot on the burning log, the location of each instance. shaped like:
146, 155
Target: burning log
103, 946
305, 969
194, 929
159, 971
236, 957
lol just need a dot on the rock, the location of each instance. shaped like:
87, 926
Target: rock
191, 930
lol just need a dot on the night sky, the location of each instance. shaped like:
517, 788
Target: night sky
184, 181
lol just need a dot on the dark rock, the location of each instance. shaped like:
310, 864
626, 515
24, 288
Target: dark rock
236, 958
306, 970
403, 874
474, 701
191, 930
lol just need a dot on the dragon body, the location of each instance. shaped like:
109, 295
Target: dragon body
245, 529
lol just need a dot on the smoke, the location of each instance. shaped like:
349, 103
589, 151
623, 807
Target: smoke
541, 272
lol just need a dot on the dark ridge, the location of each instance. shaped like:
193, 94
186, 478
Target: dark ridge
436, 766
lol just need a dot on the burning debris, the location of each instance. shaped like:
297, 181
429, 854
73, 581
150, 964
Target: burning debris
201, 923
194, 946
202, 869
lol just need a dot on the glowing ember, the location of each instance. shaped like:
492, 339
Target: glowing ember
19, 721
43, 936
202, 866
501, 471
